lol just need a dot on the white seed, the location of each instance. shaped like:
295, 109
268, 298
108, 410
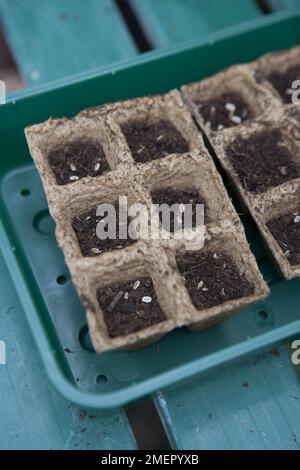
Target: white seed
74, 178
160, 137
215, 256
223, 291
283, 170
220, 127
126, 295
236, 119
297, 219
95, 250
97, 166
140, 149
147, 299
205, 289
88, 217
200, 285
230, 107
73, 167
136, 285
179, 219
182, 208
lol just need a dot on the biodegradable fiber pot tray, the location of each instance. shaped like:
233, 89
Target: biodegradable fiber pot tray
255, 134
36, 265
134, 294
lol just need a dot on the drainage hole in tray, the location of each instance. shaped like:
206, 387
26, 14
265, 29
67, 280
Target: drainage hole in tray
264, 318
85, 339
25, 192
61, 280
263, 315
101, 380
43, 223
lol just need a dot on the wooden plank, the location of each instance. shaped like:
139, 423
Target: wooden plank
253, 405
171, 21
32, 414
50, 40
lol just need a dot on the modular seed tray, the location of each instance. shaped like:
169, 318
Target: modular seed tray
36, 264
147, 270
274, 207
247, 115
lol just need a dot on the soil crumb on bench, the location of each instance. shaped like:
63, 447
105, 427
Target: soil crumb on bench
282, 82
286, 231
130, 307
225, 111
180, 197
85, 226
152, 140
262, 161
76, 160
212, 279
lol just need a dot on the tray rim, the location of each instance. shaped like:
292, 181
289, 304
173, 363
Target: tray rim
60, 374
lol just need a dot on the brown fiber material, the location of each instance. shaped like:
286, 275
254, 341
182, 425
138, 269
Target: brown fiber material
260, 155
281, 195
211, 99
278, 70
108, 271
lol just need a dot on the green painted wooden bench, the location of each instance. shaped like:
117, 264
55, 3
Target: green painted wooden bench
167, 22
52, 40
254, 404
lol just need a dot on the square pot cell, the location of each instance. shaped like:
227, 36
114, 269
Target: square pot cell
183, 199
85, 227
67, 152
149, 140
261, 156
280, 70
130, 307
228, 99
129, 299
263, 160
190, 177
212, 278
152, 128
219, 280
77, 159
286, 231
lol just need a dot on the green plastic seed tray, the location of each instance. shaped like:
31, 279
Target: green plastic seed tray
36, 264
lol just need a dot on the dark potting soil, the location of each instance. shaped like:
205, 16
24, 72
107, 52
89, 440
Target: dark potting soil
212, 279
262, 161
172, 196
286, 231
282, 81
130, 307
225, 111
85, 225
77, 160
148, 141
